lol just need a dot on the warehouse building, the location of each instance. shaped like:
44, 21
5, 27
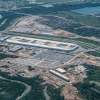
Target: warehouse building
60, 75
43, 43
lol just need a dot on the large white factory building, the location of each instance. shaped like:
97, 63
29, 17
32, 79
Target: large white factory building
42, 43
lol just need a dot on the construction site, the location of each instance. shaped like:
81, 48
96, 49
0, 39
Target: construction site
49, 51
57, 63
35, 25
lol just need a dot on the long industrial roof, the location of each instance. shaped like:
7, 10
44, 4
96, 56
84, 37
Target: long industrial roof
42, 43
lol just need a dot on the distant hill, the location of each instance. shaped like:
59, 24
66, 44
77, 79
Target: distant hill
12, 4
65, 1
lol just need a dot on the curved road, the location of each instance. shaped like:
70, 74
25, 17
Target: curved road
26, 91
47, 97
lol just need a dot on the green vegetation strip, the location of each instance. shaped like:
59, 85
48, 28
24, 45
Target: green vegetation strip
97, 43
3, 55
83, 19
94, 53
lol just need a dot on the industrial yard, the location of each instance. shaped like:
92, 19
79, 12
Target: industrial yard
43, 43
49, 51
57, 63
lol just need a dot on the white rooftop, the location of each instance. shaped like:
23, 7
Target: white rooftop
42, 43
60, 70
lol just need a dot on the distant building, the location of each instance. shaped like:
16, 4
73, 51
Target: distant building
80, 69
15, 48
60, 75
60, 70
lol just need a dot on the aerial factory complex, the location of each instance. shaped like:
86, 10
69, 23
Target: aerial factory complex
43, 43
49, 49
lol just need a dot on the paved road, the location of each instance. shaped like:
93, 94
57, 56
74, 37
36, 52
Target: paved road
47, 97
26, 91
